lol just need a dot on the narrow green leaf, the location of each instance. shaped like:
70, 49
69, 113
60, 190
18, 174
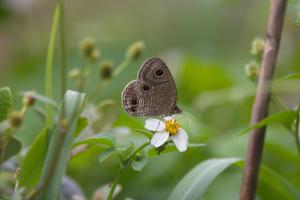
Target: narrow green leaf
49, 64
13, 147
290, 76
286, 118
60, 146
148, 134
108, 153
281, 188
171, 148
32, 164
6, 103
194, 184
82, 123
100, 138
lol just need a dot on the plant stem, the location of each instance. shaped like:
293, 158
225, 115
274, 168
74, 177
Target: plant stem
132, 155
123, 167
114, 184
261, 104
63, 55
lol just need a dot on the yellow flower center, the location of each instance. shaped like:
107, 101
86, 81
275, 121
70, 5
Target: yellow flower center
172, 127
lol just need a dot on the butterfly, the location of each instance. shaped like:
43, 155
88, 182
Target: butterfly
153, 93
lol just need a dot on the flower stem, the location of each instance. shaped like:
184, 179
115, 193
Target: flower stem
114, 184
132, 155
123, 167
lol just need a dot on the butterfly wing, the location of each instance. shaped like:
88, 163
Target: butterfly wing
157, 75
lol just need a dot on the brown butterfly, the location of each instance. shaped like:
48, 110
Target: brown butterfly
153, 93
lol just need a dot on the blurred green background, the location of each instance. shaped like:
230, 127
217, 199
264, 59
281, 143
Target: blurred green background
205, 44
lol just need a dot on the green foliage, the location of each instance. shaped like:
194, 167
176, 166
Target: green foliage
213, 92
82, 123
6, 103
107, 153
13, 147
99, 139
194, 184
170, 148
60, 145
286, 118
32, 164
272, 181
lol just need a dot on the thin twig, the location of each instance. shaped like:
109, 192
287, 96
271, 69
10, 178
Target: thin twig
261, 104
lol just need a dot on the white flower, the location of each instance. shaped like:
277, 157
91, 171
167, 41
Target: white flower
165, 129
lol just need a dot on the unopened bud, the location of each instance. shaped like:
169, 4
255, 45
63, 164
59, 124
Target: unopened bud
135, 50
29, 99
95, 54
257, 46
87, 46
74, 73
106, 69
15, 119
252, 70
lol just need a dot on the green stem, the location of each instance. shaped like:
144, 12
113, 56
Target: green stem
133, 154
114, 184
123, 167
121, 67
63, 54
49, 64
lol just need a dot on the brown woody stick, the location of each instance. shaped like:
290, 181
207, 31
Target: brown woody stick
260, 108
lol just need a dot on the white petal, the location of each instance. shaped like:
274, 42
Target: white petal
166, 118
180, 141
159, 138
183, 133
154, 125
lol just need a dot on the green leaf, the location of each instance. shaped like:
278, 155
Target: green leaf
32, 164
194, 184
107, 115
124, 153
82, 123
286, 118
100, 138
281, 188
6, 103
13, 147
60, 145
108, 153
148, 134
139, 164
290, 76
171, 148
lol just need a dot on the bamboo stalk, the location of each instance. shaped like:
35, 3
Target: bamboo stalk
260, 107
